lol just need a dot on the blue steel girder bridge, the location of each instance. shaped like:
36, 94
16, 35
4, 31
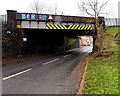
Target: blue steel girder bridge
49, 32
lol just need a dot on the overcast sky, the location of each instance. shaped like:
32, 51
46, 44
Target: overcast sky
68, 7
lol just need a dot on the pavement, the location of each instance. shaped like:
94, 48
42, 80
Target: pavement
55, 74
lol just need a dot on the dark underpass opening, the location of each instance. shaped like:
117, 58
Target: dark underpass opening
48, 41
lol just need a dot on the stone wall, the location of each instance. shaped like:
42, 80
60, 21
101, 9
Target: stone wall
11, 43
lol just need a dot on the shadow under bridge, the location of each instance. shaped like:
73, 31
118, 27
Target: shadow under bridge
49, 40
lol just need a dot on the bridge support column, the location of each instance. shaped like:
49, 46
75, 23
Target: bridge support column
11, 19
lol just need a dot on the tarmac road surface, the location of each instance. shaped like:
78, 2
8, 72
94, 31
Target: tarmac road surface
48, 75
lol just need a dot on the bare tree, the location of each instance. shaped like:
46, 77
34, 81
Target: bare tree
54, 9
37, 7
41, 6
94, 8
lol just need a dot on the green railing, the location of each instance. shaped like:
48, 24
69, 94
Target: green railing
3, 20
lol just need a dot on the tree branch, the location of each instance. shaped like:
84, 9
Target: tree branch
86, 10
102, 6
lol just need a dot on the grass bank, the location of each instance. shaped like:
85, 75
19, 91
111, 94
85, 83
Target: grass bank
102, 72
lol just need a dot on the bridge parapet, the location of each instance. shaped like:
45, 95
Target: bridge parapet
48, 21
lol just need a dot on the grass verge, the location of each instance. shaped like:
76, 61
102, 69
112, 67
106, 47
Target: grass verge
102, 72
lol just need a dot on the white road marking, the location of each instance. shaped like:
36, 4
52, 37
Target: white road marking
16, 74
50, 61
84, 51
67, 55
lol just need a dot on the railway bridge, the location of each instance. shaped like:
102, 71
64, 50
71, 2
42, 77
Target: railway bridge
48, 32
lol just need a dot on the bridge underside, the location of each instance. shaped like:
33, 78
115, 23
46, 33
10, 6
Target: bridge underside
49, 40
60, 31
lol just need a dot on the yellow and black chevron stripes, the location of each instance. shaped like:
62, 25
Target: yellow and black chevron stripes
73, 27
57, 27
64, 26
69, 26
76, 26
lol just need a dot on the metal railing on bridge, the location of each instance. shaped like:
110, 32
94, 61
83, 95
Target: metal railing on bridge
112, 21
3, 20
